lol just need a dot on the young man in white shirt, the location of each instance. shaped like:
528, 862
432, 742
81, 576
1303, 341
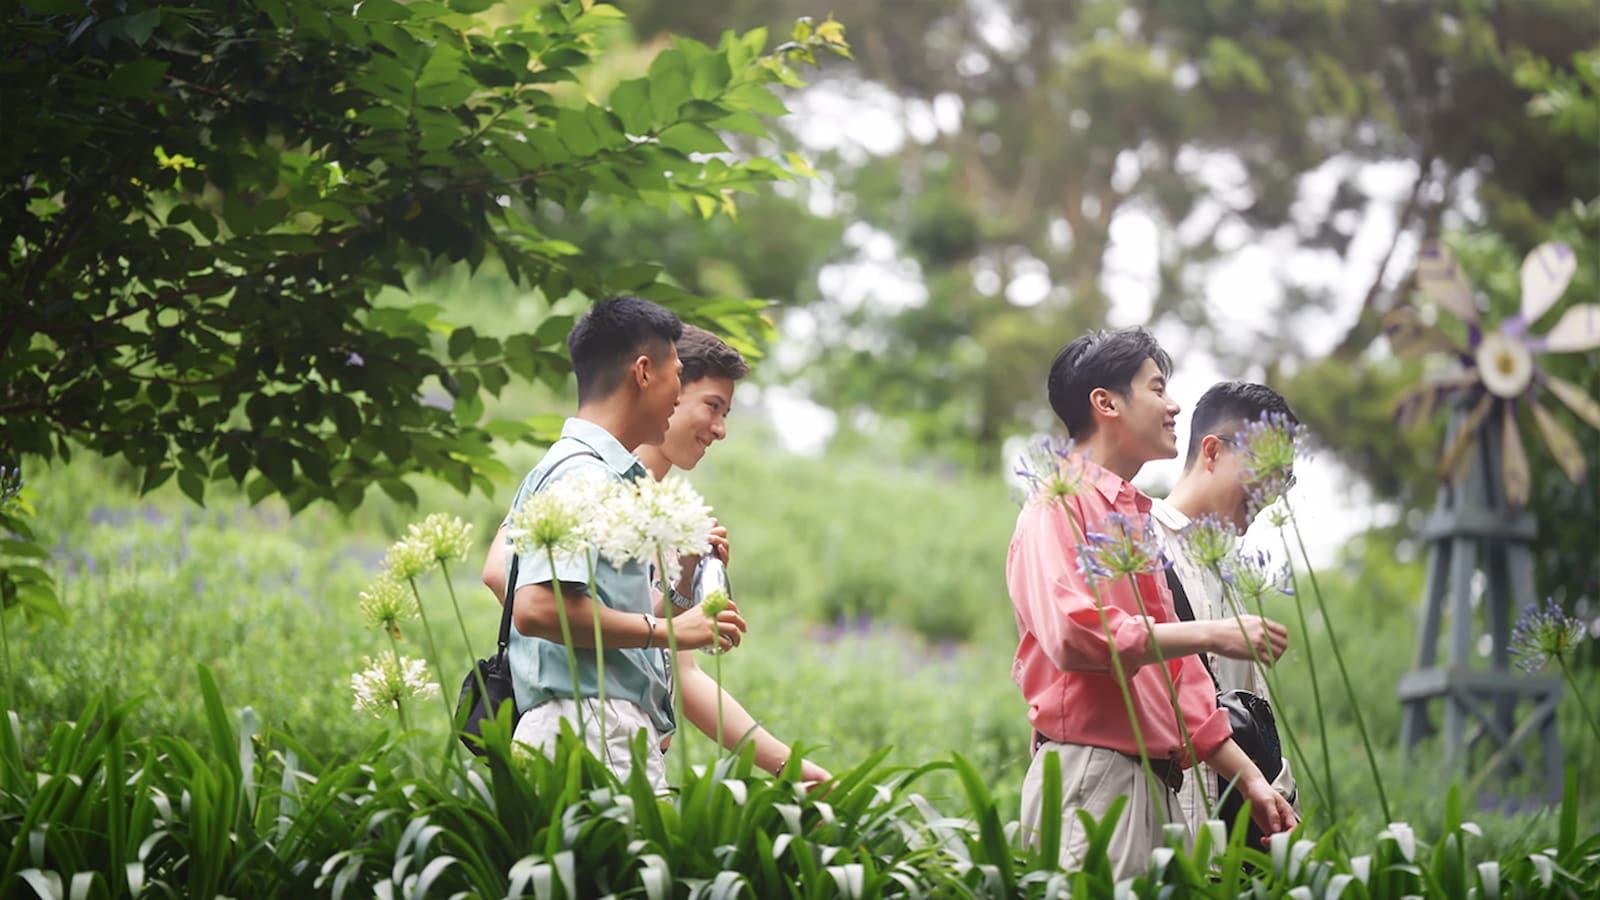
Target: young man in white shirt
1213, 483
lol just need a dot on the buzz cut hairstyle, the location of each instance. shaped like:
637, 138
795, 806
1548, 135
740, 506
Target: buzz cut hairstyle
1228, 407
1099, 359
611, 335
705, 355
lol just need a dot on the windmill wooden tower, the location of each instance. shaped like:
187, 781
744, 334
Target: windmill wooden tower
1479, 535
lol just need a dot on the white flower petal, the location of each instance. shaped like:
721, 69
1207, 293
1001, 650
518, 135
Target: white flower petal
1440, 280
1581, 404
1514, 462
1578, 330
1545, 274
1411, 337
1563, 446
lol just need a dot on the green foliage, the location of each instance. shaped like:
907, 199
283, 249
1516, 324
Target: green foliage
106, 813
212, 196
1201, 128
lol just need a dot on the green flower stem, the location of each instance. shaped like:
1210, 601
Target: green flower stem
672, 655
1116, 667
433, 658
599, 648
483, 689
1269, 676
1576, 692
716, 664
1316, 686
1172, 688
1338, 658
400, 705
5, 647
566, 641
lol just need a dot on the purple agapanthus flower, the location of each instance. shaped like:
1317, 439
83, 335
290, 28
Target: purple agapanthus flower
1544, 633
1127, 545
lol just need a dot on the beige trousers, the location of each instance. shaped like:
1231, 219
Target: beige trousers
1091, 778
539, 727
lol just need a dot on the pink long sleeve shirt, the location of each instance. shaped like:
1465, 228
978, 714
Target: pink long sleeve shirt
1063, 662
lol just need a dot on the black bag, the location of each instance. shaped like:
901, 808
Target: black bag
475, 704
479, 701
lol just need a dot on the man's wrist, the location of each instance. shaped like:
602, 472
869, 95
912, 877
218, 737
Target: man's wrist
677, 598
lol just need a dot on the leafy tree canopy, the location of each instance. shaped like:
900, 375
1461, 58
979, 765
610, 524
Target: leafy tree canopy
199, 204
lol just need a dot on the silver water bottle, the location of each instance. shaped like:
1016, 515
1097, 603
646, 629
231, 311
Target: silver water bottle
711, 586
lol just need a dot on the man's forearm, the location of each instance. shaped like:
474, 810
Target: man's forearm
700, 694
1175, 639
536, 615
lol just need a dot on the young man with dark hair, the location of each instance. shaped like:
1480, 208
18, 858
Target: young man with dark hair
1110, 390
1213, 483
625, 358
711, 371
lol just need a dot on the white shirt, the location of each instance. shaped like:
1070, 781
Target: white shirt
1209, 601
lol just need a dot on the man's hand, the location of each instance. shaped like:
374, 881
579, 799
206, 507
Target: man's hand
1268, 809
1250, 637
719, 547
812, 774
694, 630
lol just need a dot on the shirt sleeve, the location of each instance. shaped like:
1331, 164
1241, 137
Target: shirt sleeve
1208, 725
1056, 604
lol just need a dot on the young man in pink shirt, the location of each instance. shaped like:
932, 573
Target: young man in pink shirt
1109, 390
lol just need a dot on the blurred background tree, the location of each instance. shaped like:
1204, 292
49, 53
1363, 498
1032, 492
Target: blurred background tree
1251, 178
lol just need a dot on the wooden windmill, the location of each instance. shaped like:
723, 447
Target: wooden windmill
1479, 526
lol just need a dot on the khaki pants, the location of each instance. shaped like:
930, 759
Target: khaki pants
539, 727
1091, 778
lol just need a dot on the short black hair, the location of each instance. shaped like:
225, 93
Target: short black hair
1227, 407
703, 354
1099, 359
611, 335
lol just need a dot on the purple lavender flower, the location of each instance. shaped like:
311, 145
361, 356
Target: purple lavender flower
1544, 633
1051, 471
1270, 446
1126, 545
1253, 576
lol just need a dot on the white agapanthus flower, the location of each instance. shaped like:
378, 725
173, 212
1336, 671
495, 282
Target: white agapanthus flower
408, 559
447, 538
388, 680
676, 521
555, 519
386, 602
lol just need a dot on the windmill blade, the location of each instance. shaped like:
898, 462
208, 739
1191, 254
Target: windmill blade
1578, 329
1411, 337
1451, 465
1418, 402
1413, 405
1582, 405
1441, 280
1545, 274
1563, 446
1515, 479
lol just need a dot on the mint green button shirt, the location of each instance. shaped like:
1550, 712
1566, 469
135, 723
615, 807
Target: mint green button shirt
539, 671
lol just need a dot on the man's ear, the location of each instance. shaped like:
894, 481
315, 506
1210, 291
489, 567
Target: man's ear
1210, 448
1103, 402
642, 370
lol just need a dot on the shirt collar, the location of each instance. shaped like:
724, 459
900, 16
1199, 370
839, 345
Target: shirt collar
611, 452
1168, 515
1111, 485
